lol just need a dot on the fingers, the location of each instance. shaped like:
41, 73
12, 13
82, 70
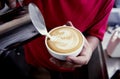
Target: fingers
69, 23
64, 64
57, 62
11, 3
61, 64
80, 60
83, 57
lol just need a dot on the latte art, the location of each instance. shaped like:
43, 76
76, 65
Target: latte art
65, 39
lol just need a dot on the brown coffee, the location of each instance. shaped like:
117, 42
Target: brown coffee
67, 39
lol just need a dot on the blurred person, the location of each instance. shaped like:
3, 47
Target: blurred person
90, 17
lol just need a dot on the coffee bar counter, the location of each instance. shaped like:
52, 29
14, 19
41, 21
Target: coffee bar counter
112, 63
16, 32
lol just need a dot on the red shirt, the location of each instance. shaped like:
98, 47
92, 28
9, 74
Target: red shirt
90, 17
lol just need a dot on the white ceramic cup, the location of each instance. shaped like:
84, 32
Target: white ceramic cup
62, 56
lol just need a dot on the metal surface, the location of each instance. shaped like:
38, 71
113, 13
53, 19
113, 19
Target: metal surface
17, 36
16, 29
37, 19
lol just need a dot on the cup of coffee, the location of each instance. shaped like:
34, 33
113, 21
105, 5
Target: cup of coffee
65, 41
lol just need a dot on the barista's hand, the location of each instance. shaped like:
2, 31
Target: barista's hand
90, 44
73, 62
14, 4
10, 3
84, 57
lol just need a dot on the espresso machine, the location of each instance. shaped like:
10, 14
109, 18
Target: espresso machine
15, 31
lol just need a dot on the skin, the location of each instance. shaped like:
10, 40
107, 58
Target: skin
91, 43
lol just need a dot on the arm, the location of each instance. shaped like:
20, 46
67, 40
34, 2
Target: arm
90, 44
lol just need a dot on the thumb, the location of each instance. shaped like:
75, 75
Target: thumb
80, 60
69, 23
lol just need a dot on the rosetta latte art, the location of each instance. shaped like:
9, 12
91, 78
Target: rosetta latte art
66, 39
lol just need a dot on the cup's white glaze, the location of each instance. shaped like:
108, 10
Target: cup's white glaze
62, 56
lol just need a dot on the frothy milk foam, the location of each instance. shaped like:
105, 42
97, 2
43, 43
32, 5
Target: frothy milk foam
65, 39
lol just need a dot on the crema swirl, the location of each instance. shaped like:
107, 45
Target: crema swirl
66, 39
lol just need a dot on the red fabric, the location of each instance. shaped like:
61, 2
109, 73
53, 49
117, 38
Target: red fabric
89, 17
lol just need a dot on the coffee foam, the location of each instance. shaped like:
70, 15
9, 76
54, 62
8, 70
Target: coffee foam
66, 39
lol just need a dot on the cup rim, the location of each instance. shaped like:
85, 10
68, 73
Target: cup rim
64, 53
